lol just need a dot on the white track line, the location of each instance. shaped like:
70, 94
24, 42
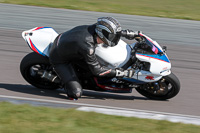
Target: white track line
145, 114
188, 119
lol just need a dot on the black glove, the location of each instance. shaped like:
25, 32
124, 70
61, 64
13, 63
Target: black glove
125, 73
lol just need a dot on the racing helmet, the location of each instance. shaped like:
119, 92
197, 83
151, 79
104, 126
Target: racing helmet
109, 30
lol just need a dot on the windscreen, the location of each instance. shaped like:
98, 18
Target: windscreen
147, 47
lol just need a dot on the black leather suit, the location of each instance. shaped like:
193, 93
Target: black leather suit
76, 44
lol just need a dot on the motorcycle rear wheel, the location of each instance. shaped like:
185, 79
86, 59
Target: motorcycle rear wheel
169, 87
29, 66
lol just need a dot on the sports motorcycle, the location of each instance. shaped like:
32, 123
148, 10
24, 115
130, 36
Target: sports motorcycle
152, 78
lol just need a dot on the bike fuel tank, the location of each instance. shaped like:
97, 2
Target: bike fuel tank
114, 57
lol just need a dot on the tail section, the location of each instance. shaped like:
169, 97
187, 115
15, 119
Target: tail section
40, 39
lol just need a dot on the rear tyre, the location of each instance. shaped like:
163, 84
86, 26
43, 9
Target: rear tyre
29, 67
169, 87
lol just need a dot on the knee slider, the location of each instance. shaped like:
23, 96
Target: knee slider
73, 89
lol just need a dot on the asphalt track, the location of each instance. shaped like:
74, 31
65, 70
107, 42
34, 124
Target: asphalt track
180, 36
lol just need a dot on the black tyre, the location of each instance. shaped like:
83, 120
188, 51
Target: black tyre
29, 67
169, 86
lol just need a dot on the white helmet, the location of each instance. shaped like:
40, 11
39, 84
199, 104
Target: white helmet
109, 30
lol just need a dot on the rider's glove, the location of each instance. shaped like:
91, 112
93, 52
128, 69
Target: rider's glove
125, 73
129, 34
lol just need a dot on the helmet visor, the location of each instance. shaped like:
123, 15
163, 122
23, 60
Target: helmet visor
114, 38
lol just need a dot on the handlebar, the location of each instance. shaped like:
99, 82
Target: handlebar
129, 34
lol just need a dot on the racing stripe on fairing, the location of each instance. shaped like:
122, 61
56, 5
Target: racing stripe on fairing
34, 48
109, 88
38, 28
157, 57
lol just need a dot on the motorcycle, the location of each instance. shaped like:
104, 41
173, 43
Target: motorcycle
152, 78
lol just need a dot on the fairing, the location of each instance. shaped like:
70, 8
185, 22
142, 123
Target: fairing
40, 38
159, 62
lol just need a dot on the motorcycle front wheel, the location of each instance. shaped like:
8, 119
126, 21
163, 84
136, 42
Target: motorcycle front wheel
29, 67
167, 87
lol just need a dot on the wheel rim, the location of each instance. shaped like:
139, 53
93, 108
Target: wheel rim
164, 88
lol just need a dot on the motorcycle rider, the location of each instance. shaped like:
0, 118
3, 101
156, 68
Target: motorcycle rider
80, 43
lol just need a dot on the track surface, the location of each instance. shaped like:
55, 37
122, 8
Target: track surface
180, 36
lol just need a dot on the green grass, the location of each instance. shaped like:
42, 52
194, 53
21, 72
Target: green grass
29, 119
180, 9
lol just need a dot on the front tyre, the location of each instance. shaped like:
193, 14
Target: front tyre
167, 87
30, 65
